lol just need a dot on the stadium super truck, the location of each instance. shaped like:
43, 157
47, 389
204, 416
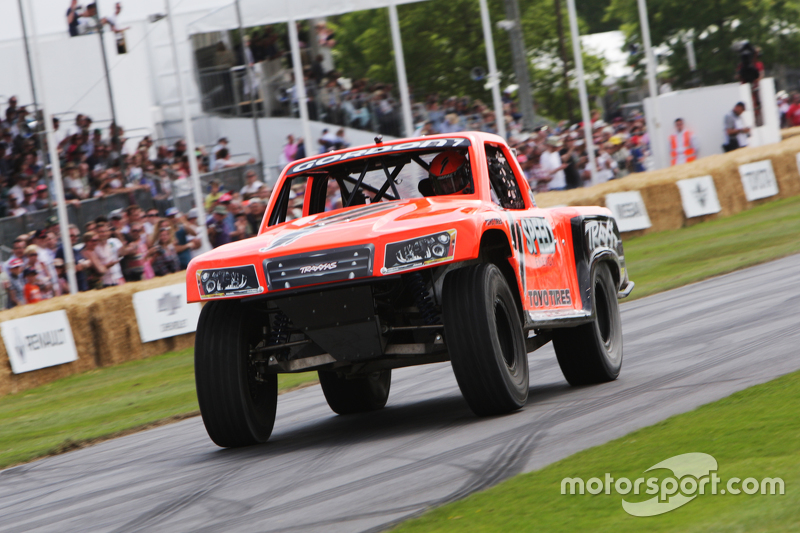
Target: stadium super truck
404, 253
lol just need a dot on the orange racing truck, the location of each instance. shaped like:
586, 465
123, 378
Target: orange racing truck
403, 253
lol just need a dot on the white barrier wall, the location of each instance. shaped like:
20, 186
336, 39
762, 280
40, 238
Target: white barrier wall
703, 111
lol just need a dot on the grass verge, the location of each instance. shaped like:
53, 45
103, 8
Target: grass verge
104, 403
753, 433
669, 259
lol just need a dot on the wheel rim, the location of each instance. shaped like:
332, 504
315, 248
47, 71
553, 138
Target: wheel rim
504, 334
603, 314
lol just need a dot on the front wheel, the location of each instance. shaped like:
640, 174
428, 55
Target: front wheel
484, 336
347, 395
592, 353
237, 403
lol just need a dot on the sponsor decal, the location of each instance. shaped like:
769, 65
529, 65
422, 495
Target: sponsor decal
169, 303
38, 341
164, 312
758, 180
318, 268
420, 252
550, 298
699, 196
493, 222
223, 282
601, 234
629, 210
536, 234
389, 148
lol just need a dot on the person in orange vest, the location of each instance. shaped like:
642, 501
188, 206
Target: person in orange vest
682, 145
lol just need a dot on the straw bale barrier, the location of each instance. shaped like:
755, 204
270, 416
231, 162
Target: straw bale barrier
104, 327
662, 197
790, 132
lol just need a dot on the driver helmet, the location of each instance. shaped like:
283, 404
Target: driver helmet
449, 173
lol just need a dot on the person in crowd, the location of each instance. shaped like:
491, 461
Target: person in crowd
109, 251
213, 195
553, 165
61, 276
252, 184
217, 233
16, 283
81, 263
42, 276
97, 268
184, 234
737, 133
682, 145
17, 250
32, 289
163, 255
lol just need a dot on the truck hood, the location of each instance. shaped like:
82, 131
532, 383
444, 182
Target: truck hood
357, 225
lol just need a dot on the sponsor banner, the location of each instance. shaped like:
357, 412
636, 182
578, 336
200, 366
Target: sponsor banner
39, 341
699, 196
629, 210
163, 312
379, 149
758, 180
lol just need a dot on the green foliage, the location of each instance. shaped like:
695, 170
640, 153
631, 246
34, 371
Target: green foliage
716, 26
443, 42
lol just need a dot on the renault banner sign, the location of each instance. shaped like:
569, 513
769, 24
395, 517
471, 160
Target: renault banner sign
38, 341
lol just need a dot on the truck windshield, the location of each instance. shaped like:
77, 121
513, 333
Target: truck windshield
384, 177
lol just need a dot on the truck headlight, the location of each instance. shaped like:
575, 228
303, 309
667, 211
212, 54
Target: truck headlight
419, 252
222, 282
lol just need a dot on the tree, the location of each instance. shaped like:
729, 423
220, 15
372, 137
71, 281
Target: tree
443, 42
715, 26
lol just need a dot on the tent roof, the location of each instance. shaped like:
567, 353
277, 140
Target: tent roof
261, 12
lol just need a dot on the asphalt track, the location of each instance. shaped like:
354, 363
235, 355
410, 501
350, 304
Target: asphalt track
321, 472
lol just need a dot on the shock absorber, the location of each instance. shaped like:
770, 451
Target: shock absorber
416, 283
281, 325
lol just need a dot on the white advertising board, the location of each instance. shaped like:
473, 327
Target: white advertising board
39, 341
758, 180
163, 312
699, 196
629, 210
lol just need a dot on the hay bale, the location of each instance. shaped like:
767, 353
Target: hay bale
118, 336
662, 197
78, 309
790, 132
104, 327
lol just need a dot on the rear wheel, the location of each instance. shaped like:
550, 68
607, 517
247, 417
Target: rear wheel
237, 403
484, 336
348, 395
592, 353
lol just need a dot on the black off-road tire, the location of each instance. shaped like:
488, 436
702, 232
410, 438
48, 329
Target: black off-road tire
483, 332
592, 353
359, 394
237, 405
